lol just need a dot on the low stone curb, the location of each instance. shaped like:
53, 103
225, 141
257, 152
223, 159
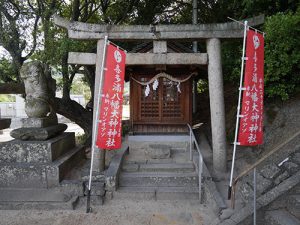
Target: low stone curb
211, 190
112, 173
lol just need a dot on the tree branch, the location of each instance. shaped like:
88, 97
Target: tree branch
73, 72
75, 112
12, 88
6, 14
75, 10
125, 12
92, 12
17, 9
34, 37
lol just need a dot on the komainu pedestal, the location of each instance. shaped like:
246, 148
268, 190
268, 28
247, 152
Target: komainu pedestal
38, 164
41, 154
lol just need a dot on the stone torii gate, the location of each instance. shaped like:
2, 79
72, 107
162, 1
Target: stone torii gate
160, 34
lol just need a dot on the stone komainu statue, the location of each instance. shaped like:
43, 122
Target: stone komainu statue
39, 88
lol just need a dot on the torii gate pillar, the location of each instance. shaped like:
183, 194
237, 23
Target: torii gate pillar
99, 155
217, 109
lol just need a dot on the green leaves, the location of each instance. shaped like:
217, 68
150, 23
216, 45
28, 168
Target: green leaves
282, 55
7, 72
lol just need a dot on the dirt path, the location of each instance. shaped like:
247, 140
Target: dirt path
123, 212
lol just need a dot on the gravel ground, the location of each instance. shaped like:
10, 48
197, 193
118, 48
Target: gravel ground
123, 212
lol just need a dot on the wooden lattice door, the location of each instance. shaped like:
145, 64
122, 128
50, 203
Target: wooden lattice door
149, 105
172, 97
166, 104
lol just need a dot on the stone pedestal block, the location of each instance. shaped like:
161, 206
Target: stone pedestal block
39, 134
36, 151
38, 164
39, 122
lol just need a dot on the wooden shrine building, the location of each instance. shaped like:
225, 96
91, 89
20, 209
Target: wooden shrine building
161, 99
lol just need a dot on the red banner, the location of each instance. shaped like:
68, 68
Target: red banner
109, 134
251, 121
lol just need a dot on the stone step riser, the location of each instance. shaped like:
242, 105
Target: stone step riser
173, 168
175, 159
157, 193
153, 181
137, 142
156, 196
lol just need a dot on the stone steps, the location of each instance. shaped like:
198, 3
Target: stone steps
158, 167
18, 198
67, 161
154, 179
177, 156
281, 217
158, 193
158, 181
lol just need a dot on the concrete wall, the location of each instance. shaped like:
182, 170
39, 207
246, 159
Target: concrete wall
17, 109
7, 109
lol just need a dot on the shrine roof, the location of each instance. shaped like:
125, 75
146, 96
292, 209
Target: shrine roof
172, 46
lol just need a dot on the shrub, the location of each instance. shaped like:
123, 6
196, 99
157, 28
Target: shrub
282, 55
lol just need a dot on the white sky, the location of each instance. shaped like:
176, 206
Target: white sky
3, 53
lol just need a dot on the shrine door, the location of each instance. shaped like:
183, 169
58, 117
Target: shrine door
168, 104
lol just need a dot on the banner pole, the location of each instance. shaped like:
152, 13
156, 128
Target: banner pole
88, 209
238, 109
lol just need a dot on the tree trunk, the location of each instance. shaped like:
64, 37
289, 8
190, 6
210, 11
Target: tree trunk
76, 113
75, 10
65, 73
12, 88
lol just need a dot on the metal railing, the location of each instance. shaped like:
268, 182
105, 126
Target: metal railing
253, 167
194, 142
